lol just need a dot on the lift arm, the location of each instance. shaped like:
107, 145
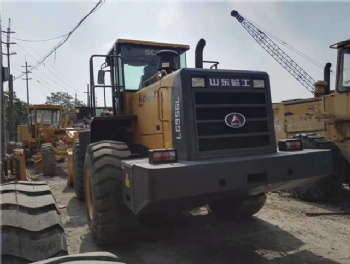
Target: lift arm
277, 53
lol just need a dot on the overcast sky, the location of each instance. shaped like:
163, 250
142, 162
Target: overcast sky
309, 27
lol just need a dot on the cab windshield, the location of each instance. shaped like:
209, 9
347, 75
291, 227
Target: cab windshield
140, 64
344, 71
51, 117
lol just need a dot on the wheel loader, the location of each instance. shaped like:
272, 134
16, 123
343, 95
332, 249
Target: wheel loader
322, 122
180, 138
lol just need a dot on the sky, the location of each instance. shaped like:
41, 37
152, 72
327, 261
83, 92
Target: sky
310, 27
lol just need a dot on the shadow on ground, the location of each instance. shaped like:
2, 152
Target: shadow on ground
77, 213
61, 170
209, 240
203, 239
337, 204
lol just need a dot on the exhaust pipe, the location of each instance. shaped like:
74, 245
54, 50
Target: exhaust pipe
199, 53
327, 77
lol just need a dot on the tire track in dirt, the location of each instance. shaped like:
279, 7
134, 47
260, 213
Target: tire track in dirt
279, 233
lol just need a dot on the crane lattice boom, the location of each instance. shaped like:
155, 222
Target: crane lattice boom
277, 53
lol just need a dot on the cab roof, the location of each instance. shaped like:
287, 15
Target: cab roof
118, 42
340, 44
47, 107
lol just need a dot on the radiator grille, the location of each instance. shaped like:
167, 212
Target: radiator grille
211, 108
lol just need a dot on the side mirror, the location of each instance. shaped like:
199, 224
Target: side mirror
101, 77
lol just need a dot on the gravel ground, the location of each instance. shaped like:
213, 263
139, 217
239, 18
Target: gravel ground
280, 233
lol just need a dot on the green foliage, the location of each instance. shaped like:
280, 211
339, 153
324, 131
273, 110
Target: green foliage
20, 110
60, 98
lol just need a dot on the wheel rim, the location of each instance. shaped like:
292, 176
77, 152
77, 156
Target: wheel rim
88, 193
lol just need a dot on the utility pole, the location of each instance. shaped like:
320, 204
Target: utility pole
10, 83
104, 94
88, 96
27, 79
2, 115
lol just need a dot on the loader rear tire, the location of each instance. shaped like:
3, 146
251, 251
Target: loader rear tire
242, 209
48, 159
31, 225
110, 221
78, 171
327, 187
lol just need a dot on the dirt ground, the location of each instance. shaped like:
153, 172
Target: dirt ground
280, 233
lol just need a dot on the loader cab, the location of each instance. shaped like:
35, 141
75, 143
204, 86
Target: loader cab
130, 64
140, 60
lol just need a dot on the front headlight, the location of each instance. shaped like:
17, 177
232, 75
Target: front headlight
198, 82
258, 83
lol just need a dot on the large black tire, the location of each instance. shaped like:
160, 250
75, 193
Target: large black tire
31, 227
78, 171
238, 209
91, 257
110, 221
48, 159
327, 187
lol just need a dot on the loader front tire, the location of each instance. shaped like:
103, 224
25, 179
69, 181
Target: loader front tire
78, 171
110, 221
48, 159
327, 187
238, 209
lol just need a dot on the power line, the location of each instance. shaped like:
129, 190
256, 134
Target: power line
39, 40
26, 51
97, 6
47, 83
45, 86
35, 60
33, 84
48, 66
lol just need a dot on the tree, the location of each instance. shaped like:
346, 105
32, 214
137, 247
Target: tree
63, 98
20, 110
